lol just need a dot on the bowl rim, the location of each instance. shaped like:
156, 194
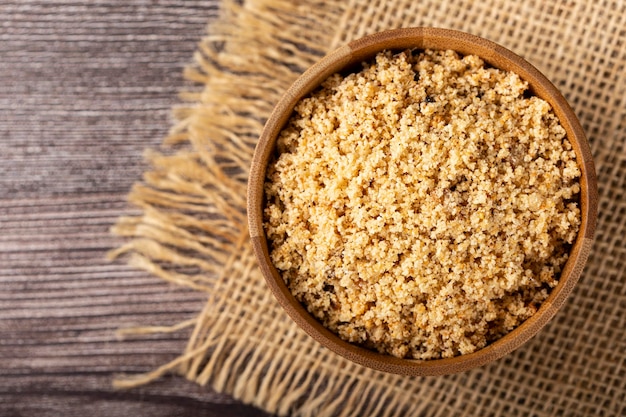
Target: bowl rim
361, 50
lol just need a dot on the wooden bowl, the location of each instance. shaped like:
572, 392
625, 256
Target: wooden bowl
422, 38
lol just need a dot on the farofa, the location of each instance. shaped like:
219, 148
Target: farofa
424, 206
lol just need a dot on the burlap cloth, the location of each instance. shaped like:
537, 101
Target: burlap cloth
193, 228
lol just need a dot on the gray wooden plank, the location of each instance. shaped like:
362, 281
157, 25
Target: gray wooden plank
86, 87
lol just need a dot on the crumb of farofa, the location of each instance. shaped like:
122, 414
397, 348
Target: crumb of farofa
423, 206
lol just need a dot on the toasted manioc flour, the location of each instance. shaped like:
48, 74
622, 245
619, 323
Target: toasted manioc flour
424, 206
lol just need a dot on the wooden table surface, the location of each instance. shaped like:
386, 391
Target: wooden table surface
85, 87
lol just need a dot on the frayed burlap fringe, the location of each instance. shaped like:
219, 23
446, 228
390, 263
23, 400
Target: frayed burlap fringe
193, 228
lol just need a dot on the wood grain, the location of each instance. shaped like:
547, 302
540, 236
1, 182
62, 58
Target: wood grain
86, 87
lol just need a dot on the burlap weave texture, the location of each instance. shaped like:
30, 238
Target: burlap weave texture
193, 231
